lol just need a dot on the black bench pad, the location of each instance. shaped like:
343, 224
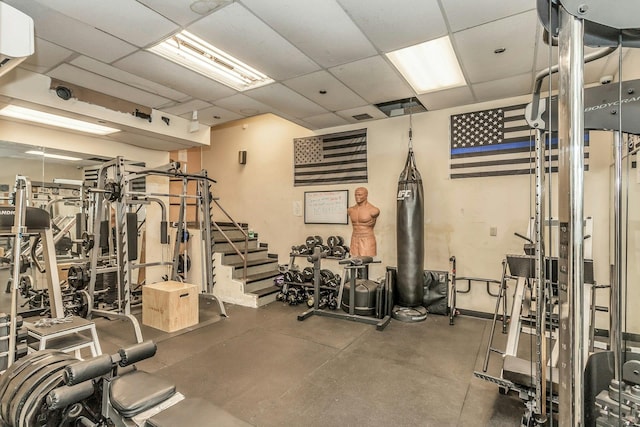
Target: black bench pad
137, 391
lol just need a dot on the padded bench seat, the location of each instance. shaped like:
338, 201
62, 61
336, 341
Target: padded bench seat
194, 412
137, 391
522, 372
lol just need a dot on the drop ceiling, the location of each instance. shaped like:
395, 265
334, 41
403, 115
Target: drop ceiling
306, 46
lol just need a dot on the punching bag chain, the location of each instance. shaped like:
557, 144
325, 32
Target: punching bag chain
410, 128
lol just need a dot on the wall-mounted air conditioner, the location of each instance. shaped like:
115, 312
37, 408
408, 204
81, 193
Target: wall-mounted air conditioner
16, 37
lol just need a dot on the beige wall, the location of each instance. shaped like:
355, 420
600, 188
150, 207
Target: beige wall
458, 213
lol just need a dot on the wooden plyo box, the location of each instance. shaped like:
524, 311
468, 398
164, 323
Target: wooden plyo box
170, 306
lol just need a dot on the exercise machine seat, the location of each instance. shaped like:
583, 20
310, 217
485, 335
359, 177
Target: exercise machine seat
35, 218
194, 412
138, 391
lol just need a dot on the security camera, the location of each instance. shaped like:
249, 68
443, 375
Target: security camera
604, 80
64, 92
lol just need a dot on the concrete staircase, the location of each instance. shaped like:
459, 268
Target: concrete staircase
262, 268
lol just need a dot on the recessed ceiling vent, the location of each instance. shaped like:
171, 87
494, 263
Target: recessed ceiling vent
401, 107
364, 116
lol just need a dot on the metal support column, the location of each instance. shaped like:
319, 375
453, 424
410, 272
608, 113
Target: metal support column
615, 294
541, 377
20, 213
571, 215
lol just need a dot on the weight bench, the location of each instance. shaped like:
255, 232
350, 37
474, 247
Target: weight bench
138, 398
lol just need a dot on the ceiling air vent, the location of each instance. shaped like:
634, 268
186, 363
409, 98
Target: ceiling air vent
401, 107
364, 116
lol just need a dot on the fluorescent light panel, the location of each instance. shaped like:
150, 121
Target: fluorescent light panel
53, 156
429, 66
28, 114
196, 54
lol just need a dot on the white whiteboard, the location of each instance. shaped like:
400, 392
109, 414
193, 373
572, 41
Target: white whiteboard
326, 207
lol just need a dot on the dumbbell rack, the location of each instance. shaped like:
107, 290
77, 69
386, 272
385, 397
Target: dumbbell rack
306, 284
351, 272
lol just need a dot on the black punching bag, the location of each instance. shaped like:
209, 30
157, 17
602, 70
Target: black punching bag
410, 236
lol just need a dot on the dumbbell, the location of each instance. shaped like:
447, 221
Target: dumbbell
339, 251
288, 276
304, 249
307, 274
297, 277
334, 241
326, 276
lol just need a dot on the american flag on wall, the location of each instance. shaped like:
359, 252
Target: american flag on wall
335, 158
498, 142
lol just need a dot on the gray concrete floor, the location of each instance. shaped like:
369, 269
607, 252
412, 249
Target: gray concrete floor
269, 369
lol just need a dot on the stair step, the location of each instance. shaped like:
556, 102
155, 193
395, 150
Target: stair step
258, 281
266, 291
230, 256
230, 225
222, 246
233, 239
261, 276
256, 266
253, 262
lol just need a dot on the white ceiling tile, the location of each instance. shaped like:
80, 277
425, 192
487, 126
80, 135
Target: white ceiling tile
187, 107
114, 73
504, 88
412, 21
125, 19
321, 29
467, 14
238, 32
476, 48
159, 70
447, 98
326, 120
243, 105
46, 56
178, 11
285, 100
214, 115
74, 35
367, 109
337, 96
83, 78
373, 79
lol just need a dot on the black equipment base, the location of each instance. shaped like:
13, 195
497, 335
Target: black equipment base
409, 314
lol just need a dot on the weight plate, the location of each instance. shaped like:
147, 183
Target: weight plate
318, 240
332, 241
29, 387
20, 366
35, 405
15, 385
